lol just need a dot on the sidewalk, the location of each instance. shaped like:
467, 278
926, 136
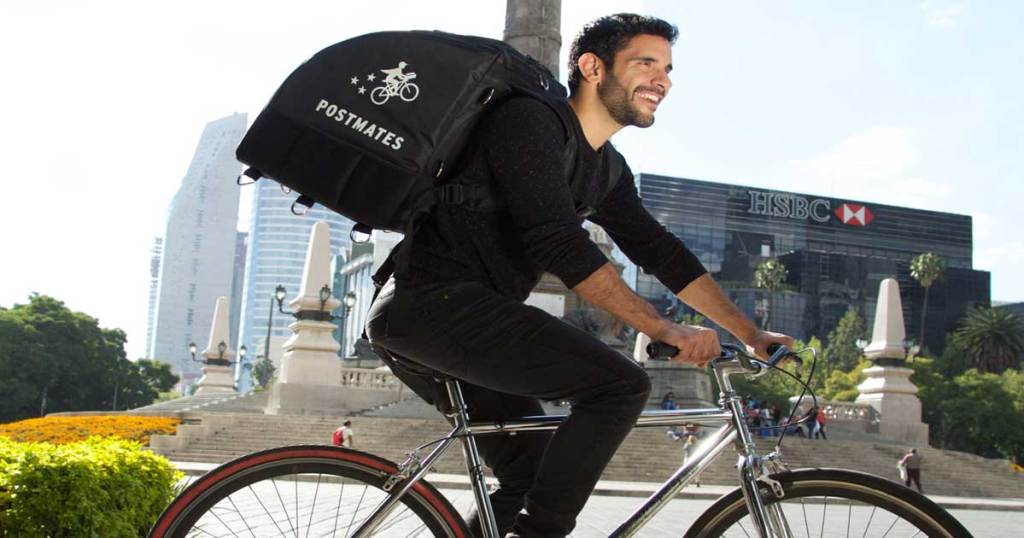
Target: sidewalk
612, 488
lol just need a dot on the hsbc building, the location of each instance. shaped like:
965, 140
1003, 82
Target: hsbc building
836, 251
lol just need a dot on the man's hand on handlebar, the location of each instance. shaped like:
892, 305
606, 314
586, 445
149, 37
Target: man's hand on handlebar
758, 344
697, 345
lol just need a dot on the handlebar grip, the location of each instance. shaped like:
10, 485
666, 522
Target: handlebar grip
661, 351
778, 352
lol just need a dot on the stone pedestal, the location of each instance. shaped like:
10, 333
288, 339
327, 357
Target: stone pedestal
888, 388
309, 380
218, 375
216, 379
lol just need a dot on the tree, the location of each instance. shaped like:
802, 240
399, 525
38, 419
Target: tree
770, 275
841, 385
53, 359
842, 352
157, 374
926, 269
992, 338
262, 371
975, 412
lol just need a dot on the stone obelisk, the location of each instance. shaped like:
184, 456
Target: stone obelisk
217, 373
309, 381
888, 388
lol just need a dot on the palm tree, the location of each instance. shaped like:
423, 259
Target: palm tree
993, 339
926, 269
770, 275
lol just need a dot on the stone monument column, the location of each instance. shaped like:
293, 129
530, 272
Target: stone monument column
888, 388
309, 381
218, 376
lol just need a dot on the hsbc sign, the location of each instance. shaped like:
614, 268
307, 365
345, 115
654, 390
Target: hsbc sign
855, 214
793, 206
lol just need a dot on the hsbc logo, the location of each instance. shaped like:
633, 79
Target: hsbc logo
794, 206
854, 214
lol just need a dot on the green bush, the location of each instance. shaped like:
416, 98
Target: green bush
95, 488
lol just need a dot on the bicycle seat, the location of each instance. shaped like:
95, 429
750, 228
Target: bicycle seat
428, 383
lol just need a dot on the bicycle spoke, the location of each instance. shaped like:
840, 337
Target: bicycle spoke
849, 516
337, 511
204, 531
360, 503
312, 508
742, 528
266, 511
283, 507
868, 526
806, 521
824, 508
894, 521
242, 517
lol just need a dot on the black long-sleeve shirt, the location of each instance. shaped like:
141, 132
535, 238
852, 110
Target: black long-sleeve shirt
518, 150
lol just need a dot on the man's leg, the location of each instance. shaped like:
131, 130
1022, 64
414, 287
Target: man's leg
915, 475
474, 334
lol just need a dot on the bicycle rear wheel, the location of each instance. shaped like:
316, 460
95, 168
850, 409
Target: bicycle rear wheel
833, 502
303, 491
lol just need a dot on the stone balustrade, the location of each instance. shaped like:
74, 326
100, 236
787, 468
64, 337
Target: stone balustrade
362, 378
846, 415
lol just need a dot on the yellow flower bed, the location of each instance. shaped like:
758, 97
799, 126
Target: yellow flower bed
61, 430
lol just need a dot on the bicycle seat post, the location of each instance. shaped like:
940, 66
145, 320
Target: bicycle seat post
460, 415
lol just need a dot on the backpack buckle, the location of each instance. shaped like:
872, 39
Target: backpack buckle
452, 193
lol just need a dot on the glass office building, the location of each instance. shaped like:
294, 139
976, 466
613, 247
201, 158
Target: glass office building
836, 251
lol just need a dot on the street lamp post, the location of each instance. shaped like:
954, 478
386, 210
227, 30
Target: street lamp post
278, 296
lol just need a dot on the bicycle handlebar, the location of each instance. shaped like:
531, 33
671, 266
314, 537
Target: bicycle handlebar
731, 352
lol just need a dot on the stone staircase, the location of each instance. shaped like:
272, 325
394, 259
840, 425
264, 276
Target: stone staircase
648, 455
216, 402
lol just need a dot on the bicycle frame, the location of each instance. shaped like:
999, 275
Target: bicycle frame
731, 429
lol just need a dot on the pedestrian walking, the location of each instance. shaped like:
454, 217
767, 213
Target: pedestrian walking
820, 420
912, 463
344, 435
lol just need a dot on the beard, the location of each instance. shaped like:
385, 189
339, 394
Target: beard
618, 100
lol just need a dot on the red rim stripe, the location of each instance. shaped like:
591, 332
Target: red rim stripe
215, 476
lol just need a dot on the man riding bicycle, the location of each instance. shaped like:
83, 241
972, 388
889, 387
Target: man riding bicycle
458, 308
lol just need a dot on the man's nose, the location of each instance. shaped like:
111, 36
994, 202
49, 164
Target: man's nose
663, 81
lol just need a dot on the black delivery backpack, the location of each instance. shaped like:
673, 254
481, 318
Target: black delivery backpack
368, 127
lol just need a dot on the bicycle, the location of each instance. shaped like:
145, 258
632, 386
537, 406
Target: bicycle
402, 88
359, 493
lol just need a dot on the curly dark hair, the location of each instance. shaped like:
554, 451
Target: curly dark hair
608, 35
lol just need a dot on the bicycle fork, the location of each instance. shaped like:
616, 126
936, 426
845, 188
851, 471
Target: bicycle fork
769, 521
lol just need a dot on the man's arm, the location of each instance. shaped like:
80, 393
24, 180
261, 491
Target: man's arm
605, 289
704, 295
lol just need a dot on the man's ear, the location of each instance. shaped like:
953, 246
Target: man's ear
591, 67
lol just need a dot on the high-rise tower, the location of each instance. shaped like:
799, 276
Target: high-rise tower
199, 246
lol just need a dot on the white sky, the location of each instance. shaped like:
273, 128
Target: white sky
102, 104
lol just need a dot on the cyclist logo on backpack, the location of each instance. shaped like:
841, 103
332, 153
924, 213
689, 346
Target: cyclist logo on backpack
395, 84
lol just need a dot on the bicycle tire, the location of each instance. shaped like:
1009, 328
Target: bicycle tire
199, 502
726, 516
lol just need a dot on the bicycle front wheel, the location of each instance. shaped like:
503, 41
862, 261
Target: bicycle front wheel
832, 502
303, 491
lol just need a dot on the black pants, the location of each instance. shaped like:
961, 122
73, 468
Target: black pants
508, 355
914, 475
